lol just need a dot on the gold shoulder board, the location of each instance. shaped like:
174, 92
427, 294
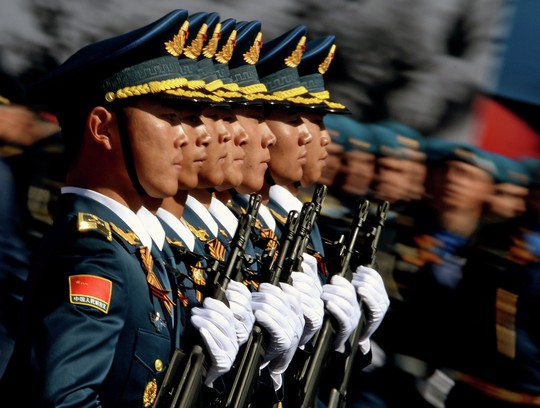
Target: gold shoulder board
89, 222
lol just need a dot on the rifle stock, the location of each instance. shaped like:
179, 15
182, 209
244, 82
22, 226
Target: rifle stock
182, 384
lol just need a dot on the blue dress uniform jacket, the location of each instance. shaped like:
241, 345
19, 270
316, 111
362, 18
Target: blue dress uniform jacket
498, 306
96, 334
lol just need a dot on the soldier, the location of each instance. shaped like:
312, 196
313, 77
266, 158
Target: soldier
511, 189
98, 303
497, 306
294, 161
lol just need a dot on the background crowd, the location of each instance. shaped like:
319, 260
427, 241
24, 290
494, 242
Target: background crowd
461, 245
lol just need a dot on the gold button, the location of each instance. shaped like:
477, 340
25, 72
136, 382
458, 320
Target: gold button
158, 364
110, 96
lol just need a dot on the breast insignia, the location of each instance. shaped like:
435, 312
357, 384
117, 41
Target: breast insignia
150, 393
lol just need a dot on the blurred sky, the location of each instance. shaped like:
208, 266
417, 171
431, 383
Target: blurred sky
79, 22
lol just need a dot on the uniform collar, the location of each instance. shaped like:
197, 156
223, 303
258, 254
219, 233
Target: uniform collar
203, 213
153, 226
178, 226
225, 216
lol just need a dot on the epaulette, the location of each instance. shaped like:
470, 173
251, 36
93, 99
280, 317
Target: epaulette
90, 223
278, 216
128, 236
200, 233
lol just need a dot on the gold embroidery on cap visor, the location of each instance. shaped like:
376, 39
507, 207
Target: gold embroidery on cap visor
182, 87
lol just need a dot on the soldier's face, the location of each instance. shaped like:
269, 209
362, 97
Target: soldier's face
316, 150
256, 148
157, 137
392, 179
289, 154
460, 185
358, 171
333, 163
211, 174
232, 169
194, 151
508, 200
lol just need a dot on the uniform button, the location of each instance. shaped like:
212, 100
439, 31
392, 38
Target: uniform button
158, 364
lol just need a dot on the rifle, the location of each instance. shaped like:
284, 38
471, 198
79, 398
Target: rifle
183, 380
307, 373
279, 269
337, 395
246, 371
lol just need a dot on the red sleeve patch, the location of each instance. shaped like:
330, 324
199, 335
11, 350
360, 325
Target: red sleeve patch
91, 291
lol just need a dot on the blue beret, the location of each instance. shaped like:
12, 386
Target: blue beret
439, 150
393, 143
532, 164
278, 68
350, 133
510, 171
316, 60
145, 61
406, 131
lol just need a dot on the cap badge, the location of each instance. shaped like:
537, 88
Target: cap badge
225, 55
175, 47
252, 55
194, 49
294, 59
213, 42
323, 67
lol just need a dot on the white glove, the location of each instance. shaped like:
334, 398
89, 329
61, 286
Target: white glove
281, 315
310, 300
341, 301
310, 266
216, 324
239, 298
370, 288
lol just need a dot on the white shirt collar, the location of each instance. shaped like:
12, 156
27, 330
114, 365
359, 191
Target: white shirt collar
123, 212
179, 227
221, 212
153, 226
267, 216
285, 198
204, 214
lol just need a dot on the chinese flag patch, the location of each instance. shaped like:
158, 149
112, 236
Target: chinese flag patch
91, 291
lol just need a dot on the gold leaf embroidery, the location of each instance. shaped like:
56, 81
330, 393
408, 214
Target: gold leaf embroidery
212, 45
294, 59
323, 67
226, 52
195, 48
254, 52
175, 47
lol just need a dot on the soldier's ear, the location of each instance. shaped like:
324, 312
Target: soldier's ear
100, 125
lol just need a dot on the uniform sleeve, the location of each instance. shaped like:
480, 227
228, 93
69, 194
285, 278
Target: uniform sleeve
83, 299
